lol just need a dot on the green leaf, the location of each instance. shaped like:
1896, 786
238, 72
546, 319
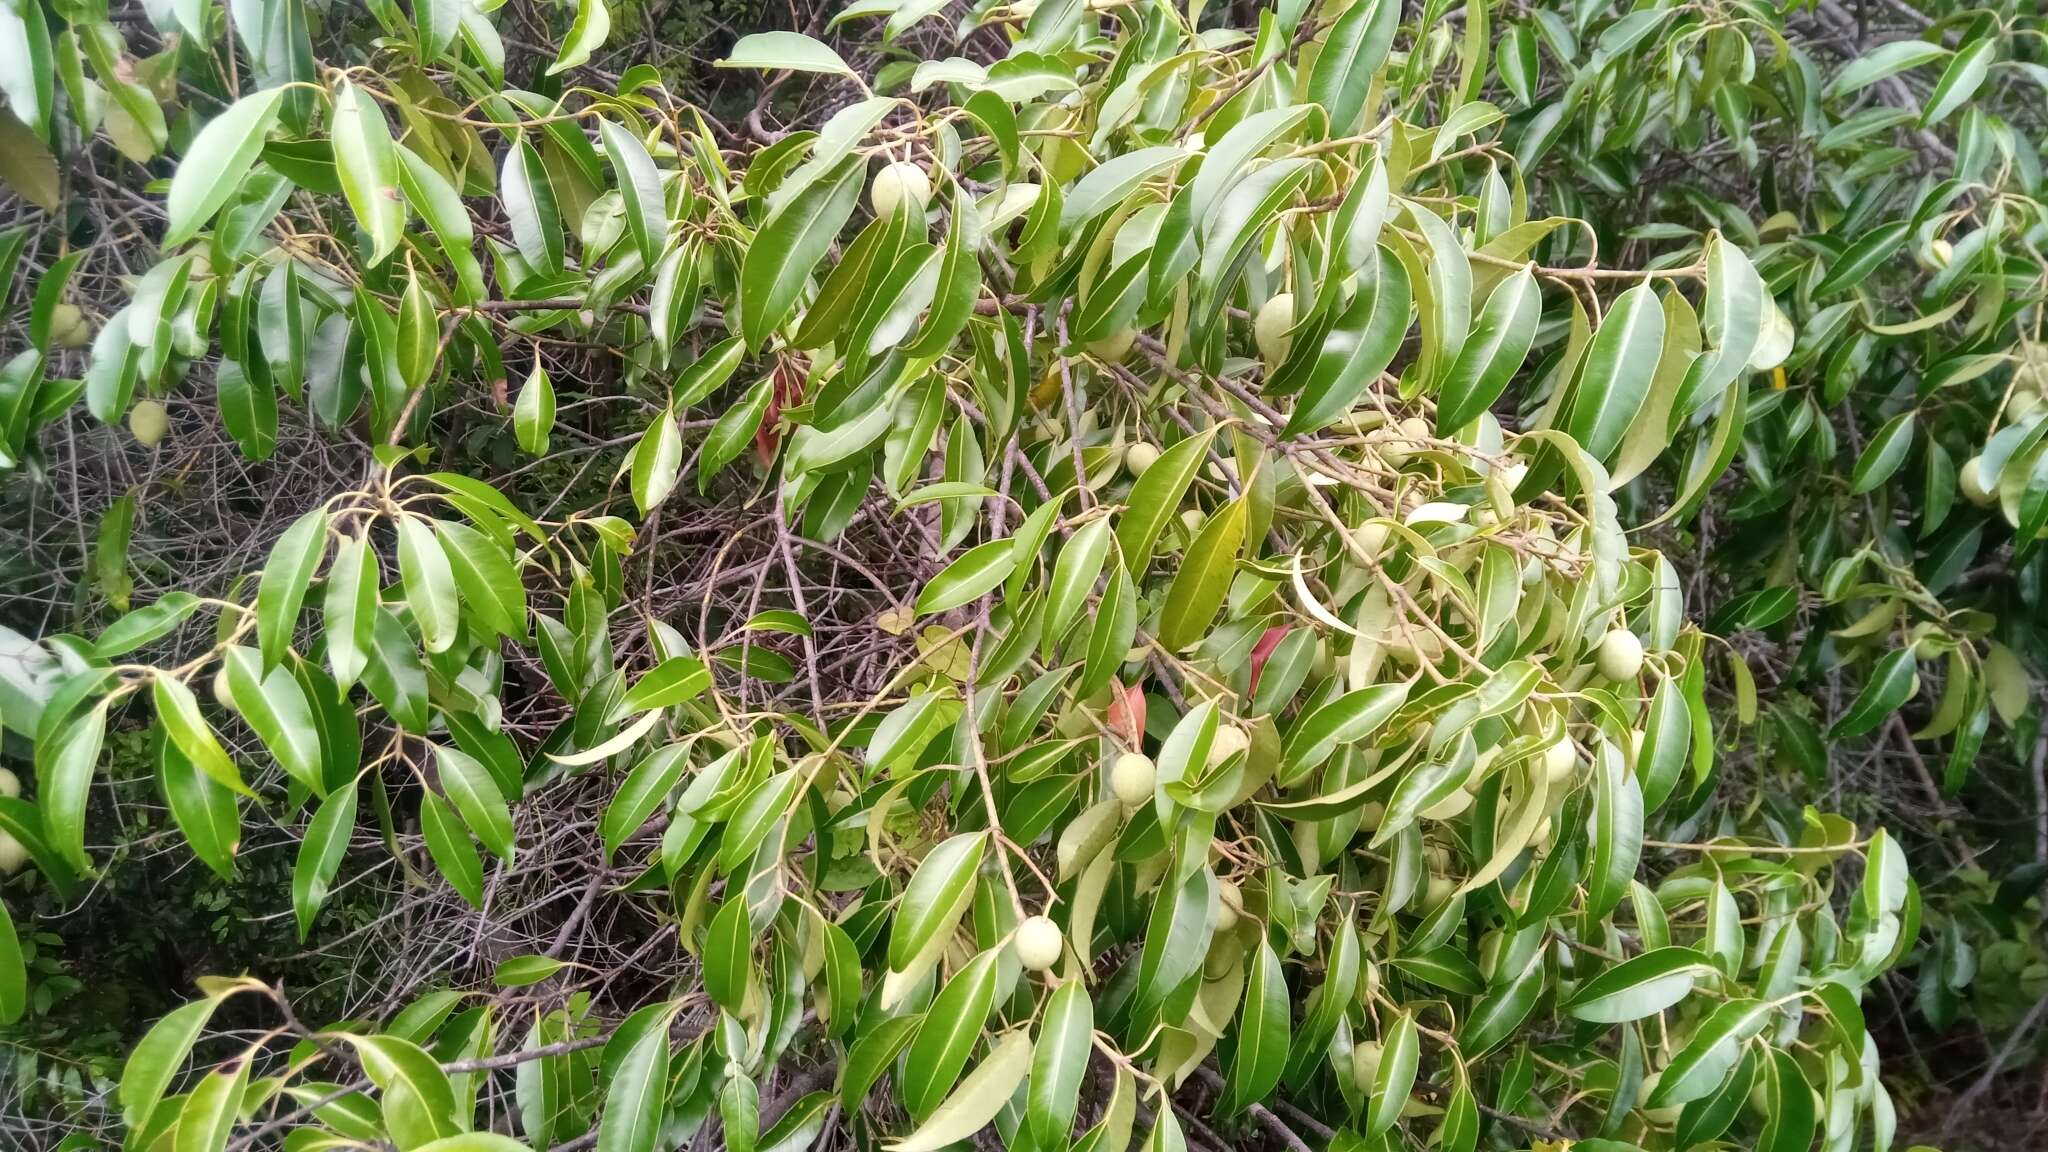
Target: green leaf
1883, 61
1073, 578
475, 795
1895, 680
735, 429
946, 1039
353, 581
13, 972
485, 579
64, 765
419, 336
418, 1100
522, 971
650, 781
729, 955
276, 709
1614, 379
1334, 371
789, 246
1260, 1055
530, 207
784, 52
978, 1099
1965, 74
1710, 1055
657, 461
973, 573
157, 1059
1860, 259
367, 163
1204, 577
1352, 53
1639, 986
1155, 499
145, 625
1884, 454
214, 165
637, 1093
429, 584
320, 855
640, 188
248, 407
1059, 1063
533, 414
211, 1108
1400, 1052
204, 811
178, 710
586, 35
936, 897
1616, 829
675, 680
293, 560
1493, 353
453, 852
871, 1055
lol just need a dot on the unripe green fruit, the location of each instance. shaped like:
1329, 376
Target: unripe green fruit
12, 855
2021, 406
1131, 778
1138, 457
894, 183
68, 328
1270, 328
148, 422
10, 784
1405, 439
1977, 488
1439, 889
1038, 943
1620, 656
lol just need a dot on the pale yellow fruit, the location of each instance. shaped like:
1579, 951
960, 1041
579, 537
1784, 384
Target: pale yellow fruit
1114, 346
1365, 1064
12, 855
1559, 759
1270, 329
895, 183
1541, 837
1439, 889
1191, 522
1131, 778
2021, 406
222, 692
1371, 537
1138, 457
1620, 655
68, 328
1977, 488
1940, 252
148, 422
1229, 741
10, 784
1404, 441
1038, 943
1229, 905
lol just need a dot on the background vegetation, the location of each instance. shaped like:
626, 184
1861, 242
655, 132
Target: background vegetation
1828, 457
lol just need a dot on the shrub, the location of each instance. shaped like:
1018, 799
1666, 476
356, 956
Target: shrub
1115, 608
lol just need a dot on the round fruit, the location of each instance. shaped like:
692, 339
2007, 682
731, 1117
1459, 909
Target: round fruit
1131, 778
1038, 943
894, 183
10, 784
1138, 457
1404, 441
1621, 655
1440, 887
2021, 406
12, 855
1977, 488
1270, 328
1940, 251
148, 422
1371, 537
1229, 900
1191, 522
1229, 741
1541, 837
1559, 759
1114, 346
1365, 1064
68, 328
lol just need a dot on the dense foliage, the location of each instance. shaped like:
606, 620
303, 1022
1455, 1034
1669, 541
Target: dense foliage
1070, 574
